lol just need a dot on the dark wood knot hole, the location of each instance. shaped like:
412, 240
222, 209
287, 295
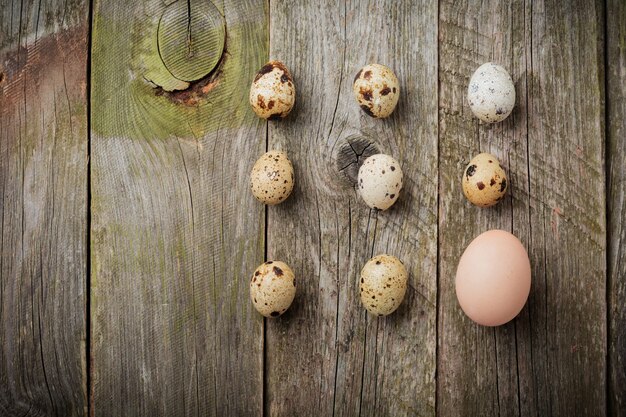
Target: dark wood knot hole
350, 155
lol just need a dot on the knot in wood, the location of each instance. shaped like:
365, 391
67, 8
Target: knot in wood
350, 156
191, 38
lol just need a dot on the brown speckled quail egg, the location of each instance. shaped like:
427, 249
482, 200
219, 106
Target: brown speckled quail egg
491, 93
272, 94
272, 288
272, 178
383, 284
380, 181
377, 90
484, 181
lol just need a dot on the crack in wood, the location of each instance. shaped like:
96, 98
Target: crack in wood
351, 153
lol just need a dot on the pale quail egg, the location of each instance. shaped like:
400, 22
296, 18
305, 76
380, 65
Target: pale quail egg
380, 181
491, 93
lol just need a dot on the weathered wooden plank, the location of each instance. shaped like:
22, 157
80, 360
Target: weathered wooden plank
325, 356
616, 202
43, 213
175, 230
568, 239
481, 371
549, 361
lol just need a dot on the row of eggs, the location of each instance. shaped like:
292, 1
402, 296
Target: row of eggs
383, 284
490, 291
493, 274
491, 93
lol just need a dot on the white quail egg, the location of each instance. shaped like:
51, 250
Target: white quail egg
491, 93
380, 181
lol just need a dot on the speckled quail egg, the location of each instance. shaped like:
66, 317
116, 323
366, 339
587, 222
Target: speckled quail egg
380, 181
484, 181
272, 94
383, 284
491, 93
377, 90
272, 288
272, 178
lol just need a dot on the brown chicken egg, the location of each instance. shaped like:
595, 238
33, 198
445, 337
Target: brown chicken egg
493, 278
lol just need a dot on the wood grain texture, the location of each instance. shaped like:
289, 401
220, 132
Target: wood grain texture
326, 356
616, 202
550, 360
568, 221
481, 370
175, 231
43, 213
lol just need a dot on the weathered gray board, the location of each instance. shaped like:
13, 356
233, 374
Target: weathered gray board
175, 233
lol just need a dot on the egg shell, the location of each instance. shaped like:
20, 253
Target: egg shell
493, 278
272, 288
376, 89
272, 178
272, 93
491, 93
380, 181
383, 284
484, 181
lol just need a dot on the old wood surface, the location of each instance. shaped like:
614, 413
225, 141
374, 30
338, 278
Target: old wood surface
616, 202
327, 356
43, 208
175, 231
124, 280
481, 371
551, 360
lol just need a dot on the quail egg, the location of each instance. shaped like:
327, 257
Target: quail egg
272, 288
380, 181
376, 89
491, 93
272, 94
272, 178
383, 284
484, 181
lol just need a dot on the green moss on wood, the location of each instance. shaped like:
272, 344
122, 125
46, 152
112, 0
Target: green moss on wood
126, 102
191, 38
